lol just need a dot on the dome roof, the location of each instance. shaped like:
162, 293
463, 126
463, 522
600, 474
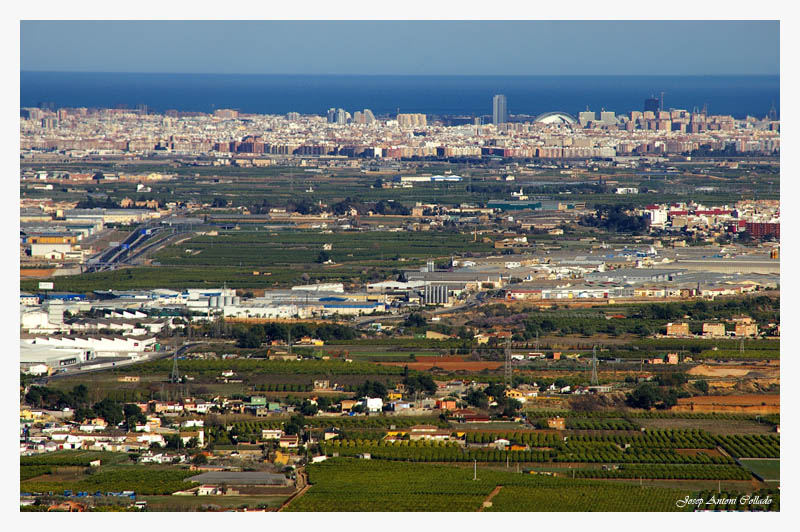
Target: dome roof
556, 117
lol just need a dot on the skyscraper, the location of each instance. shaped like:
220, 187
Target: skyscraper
499, 109
369, 118
652, 104
340, 116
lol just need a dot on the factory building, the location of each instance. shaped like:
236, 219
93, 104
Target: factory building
436, 294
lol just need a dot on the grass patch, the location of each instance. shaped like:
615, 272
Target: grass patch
768, 470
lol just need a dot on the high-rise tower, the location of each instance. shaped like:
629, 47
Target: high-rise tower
499, 109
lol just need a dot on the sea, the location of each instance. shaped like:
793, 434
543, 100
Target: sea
739, 96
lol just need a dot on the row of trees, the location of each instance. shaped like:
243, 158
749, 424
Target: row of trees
615, 218
254, 335
77, 399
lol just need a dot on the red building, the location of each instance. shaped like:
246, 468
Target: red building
759, 230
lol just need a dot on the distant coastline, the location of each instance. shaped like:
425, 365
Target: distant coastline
737, 95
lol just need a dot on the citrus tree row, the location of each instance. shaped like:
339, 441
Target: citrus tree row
751, 445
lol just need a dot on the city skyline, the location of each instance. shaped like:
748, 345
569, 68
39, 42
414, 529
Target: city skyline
436, 95
463, 47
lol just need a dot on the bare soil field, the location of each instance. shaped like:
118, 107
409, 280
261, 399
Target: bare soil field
749, 404
739, 400
763, 370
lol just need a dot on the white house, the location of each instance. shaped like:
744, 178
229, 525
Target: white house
373, 404
271, 434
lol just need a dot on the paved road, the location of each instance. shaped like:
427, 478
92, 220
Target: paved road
472, 301
109, 259
78, 371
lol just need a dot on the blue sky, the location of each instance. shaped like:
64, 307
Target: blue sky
403, 47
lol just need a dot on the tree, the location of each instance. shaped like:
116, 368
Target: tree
80, 395
250, 339
82, 413
133, 415
509, 407
323, 257
110, 411
561, 382
495, 390
308, 408
295, 424
420, 383
372, 389
324, 403
199, 459
702, 386
415, 319
478, 398
648, 396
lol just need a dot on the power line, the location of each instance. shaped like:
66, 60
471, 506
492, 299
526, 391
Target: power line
508, 369
175, 376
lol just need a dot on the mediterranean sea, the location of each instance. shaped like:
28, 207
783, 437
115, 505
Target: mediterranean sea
433, 95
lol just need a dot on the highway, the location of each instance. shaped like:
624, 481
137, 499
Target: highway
118, 254
77, 369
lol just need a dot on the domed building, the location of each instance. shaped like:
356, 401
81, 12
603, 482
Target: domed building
556, 117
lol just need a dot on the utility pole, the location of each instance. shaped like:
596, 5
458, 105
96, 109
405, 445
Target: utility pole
174, 376
508, 369
594, 380
475, 471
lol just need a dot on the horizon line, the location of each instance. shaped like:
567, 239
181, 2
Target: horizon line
383, 75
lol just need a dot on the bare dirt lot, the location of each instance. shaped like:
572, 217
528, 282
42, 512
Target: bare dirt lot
762, 370
738, 400
745, 404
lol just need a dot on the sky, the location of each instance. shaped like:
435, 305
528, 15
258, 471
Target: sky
404, 47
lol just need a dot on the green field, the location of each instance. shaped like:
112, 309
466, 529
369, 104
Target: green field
144, 480
72, 458
263, 366
279, 185
265, 249
282, 258
769, 470
385, 486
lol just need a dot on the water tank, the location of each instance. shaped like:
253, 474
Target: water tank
236, 301
226, 300
213, 301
